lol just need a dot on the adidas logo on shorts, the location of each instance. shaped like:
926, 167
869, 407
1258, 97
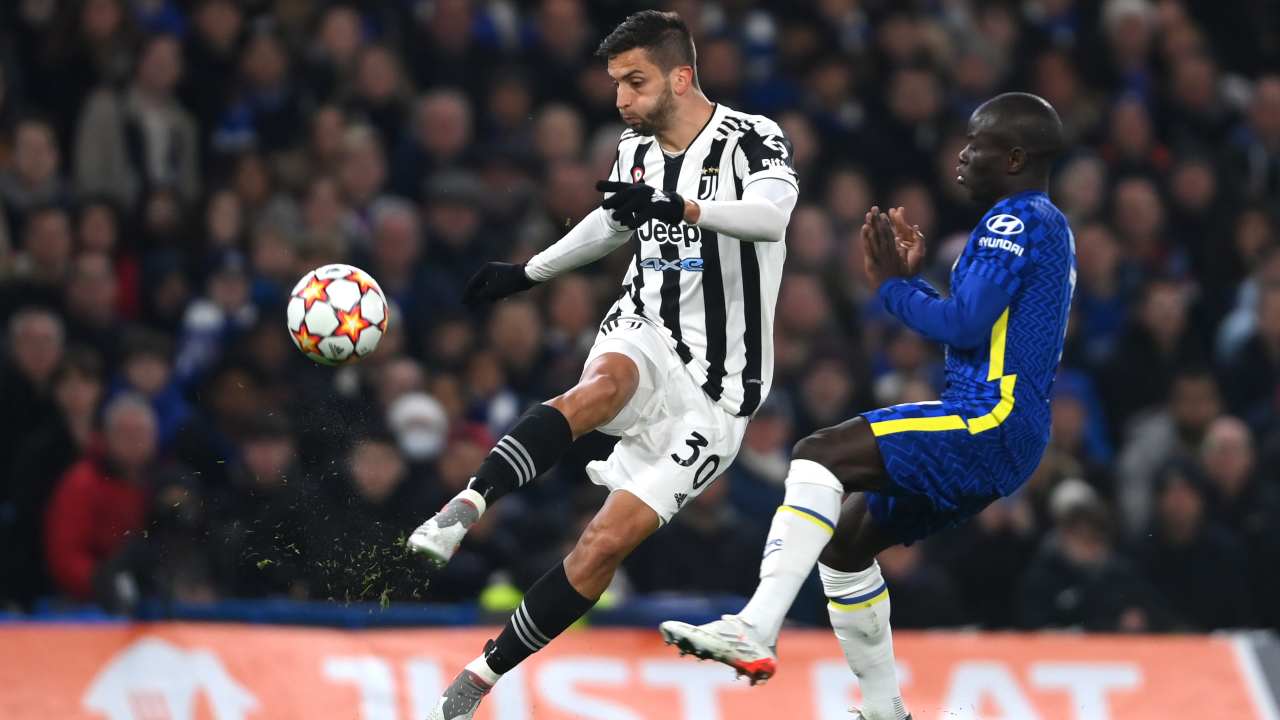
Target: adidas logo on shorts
680, 499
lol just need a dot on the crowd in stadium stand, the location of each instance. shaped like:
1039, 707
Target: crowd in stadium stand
170, 168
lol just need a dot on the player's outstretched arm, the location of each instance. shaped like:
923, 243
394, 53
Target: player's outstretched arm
588, 241
593, 238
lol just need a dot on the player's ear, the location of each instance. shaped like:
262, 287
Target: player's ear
1017, 160
681, 79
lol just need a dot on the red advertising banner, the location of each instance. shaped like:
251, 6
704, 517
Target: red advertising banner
237, 672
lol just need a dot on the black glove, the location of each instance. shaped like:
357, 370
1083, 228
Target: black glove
495, 281
634, 204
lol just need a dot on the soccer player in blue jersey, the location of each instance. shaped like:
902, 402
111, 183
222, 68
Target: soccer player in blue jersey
912, 470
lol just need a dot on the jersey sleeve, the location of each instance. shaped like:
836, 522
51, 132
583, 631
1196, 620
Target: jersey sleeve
1000, 250
764, 152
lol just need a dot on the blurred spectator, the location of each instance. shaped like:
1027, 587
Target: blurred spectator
420, 426
986, 557
449, 47
357, 528
213, 322
1256, 153
1176, 430
1158, 343
42, 262
1244, 500
90, 304
265, 110
362, 174
34, 467
209, 59
919, 582
34, 180
262, 515
170, 560
728, 560
131, 140
99, 230
1199, 567
1079, 580
438, 140
1253, 374
102, 498
756, 477
35, 341
380, 93
146, 368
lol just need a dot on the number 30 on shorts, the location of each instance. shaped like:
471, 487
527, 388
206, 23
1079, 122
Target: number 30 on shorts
707, 470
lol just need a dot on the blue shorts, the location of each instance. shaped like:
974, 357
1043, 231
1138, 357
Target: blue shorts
941, 473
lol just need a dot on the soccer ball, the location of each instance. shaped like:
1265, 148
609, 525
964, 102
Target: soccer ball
337, 314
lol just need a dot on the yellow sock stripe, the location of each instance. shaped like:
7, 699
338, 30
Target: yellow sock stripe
995, 371
863, 605
813, 518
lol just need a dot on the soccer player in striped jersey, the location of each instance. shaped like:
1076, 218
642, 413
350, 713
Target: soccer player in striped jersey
703, 194
912, 470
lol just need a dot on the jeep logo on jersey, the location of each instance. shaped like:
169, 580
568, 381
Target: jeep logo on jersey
1005, 225
664, 265
674, 234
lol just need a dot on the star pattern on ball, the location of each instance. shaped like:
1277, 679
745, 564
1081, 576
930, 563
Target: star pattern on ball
307, 342
316, 289
362, 279
351, 324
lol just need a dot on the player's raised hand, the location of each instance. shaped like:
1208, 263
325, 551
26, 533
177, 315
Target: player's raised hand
910, 240
881, 259
495, 281
634, 204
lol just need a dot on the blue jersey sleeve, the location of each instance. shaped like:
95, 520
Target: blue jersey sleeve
995, 263
962, 320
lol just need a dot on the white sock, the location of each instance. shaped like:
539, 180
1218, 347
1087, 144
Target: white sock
481, 668
801, 528
474, 498
859, 610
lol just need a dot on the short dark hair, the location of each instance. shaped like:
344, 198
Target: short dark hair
1028, 121
664, 34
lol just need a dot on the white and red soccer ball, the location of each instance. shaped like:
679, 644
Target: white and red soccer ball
337, 314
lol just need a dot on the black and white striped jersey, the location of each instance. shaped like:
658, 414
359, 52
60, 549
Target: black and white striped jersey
712, 295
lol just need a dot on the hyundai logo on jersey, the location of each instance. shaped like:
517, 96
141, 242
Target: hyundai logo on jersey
1003, 224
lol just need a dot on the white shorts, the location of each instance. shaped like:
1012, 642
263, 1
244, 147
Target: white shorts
674, 439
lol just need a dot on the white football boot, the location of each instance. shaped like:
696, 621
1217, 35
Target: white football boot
728, 640
462, 699
439, 537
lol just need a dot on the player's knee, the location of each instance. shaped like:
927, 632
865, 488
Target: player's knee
603, 390
818, 447
844, 557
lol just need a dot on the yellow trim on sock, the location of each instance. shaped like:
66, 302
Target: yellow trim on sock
784, 508
884, 595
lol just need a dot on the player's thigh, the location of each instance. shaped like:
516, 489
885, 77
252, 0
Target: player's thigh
849, 451
630, 355
675, 450
857, 538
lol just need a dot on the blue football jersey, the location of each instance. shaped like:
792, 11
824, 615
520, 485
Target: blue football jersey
1025, 246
